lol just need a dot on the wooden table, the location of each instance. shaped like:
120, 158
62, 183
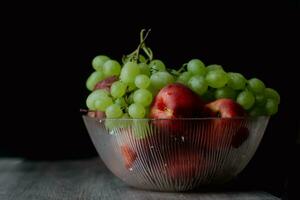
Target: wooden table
87, 179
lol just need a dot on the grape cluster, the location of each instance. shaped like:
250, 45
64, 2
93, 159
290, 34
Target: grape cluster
140, 79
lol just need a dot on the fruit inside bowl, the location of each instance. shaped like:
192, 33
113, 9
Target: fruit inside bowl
174, 130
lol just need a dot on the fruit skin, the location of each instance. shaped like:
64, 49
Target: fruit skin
106, 83
226, 109
129, 156
185, 165
96, 114
176, 101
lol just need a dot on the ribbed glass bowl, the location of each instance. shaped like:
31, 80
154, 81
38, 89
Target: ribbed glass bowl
177, 154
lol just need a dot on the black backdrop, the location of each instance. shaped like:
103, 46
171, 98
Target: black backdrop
48, 53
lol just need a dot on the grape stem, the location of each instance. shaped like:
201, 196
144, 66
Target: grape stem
134, 56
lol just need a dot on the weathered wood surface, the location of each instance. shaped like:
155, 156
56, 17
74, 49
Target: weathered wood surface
88, 179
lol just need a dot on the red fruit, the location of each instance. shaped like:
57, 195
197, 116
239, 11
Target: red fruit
173, 102
106, 83
227, 131
176, 101
129, 156
186, 165
225, 108
96, 114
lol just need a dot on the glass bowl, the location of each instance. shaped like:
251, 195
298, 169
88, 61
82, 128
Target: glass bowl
176, 154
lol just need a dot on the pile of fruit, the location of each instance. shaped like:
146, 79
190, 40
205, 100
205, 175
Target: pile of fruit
143, 87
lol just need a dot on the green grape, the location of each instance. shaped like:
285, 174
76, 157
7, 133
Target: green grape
142, 59
260, 99
198, 84
144, 69
196, 67
111, 68
121, 102
102, 103
99, 61
93, 79
184, 78
157, 66
214, 67
136, 111
153, 90
118, 89
142, 81
141, 128
246, 99
257, 111
209, 95
130, 98
216, 78
129, 71
225, 92
113, 111
142, 97
271, 106
95, 95
161, 79
272, 94
256, 85
236, 81
147, 109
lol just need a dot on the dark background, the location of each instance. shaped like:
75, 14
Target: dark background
49, 49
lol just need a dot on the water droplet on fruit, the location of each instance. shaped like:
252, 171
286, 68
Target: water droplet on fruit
182, 138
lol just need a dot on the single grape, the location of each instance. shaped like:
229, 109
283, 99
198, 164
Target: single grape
236, 81
256, 85
142, 97
161, 79
257, 111
225, 92
118, 89
129, 71
209, 95
144, 69
214, 67
95, 95
271, 106
99, 61
136, 111
196, 67
157, 66
131, 87
130, 98
198, 84
142, 59
111, 68
184, 78
121, 102
272, 94
246, 99
113, 111
260, 99
102, 103
142, 81
93, 79
216, 78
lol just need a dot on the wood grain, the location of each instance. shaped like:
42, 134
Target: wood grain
86, 180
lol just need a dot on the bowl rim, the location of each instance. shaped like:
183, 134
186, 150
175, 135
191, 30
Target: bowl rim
177, 119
